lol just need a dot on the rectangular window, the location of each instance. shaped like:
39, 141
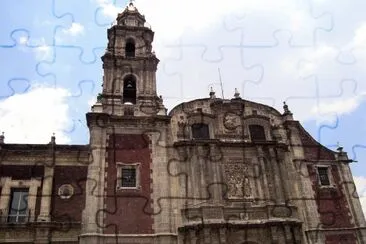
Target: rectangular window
128, 178
200, 131
323, 176
18, 209
257, 133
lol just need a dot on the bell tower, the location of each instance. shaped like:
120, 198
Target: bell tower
124, 124
129, 83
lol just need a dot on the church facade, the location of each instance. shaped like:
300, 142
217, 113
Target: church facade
211, 171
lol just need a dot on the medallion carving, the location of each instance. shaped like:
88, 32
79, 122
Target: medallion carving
237, 180
231, 121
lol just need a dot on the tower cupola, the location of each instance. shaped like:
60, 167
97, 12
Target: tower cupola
129, 82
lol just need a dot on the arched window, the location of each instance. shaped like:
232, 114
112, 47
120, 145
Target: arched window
129, 90
257, 133
200, 131
130, 48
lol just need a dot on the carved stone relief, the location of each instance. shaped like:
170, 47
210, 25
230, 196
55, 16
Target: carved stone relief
231, 121
237, 180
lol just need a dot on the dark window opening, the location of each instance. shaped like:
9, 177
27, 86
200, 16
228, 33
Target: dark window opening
129, 90
200, 131
323, 176
128, 177
257, 133
18, 209
130, 48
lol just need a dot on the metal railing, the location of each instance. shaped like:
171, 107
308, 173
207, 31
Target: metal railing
5, 217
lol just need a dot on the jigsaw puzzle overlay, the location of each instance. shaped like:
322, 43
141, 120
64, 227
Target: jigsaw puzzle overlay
213, 170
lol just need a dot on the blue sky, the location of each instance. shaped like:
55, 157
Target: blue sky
310, 54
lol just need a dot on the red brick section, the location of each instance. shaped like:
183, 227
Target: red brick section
313, 150
69, 210
332, 204
21, 172
340, 239
128, 211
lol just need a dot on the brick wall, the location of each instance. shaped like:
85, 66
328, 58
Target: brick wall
128, 211
312, 149
340, 239
21, 172
69, 210
331, 201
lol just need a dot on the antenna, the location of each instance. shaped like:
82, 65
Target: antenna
222, 88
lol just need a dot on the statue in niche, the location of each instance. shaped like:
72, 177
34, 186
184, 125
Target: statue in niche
246, 187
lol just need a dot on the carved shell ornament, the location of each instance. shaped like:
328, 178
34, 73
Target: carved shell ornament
231, 121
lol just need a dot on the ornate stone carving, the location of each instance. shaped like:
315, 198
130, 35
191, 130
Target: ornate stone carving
237, 180
231, 121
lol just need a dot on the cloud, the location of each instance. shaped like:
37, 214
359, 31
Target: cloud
328, 112
40, 49
339, 107
202, 14
32, 117
74, 30
360, 182
43, 52
108, 8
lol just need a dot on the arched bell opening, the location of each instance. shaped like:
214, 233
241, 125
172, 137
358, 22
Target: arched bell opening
129, 90
130, 48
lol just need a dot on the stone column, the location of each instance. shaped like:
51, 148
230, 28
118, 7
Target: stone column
5, 197
92, 220
263, 177
45, 212
279, 194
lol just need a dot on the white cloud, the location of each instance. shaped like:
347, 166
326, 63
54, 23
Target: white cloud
74, 30
32, 117
108, 8
198, 15
43, 52
23, 40
359, 40
327, 112
339, 107
360, 182
40, 49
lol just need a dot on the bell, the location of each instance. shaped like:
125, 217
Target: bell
129, 84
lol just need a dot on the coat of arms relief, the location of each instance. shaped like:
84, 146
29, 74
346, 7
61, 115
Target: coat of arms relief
237, 180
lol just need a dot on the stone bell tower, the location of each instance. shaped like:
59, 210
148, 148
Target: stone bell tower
123, 124
129, 86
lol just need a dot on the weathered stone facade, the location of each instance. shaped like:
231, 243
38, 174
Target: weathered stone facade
210, 171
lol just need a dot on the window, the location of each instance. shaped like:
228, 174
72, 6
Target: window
18, 209
323, 176
130, 48
129, 90
200, 131
257, 133
66, 191
128, 176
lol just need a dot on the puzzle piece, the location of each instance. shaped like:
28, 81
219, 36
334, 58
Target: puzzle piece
189, 182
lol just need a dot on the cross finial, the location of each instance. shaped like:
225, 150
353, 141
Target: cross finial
131, 2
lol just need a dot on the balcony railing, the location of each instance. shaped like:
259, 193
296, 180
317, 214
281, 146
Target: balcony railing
5, 217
